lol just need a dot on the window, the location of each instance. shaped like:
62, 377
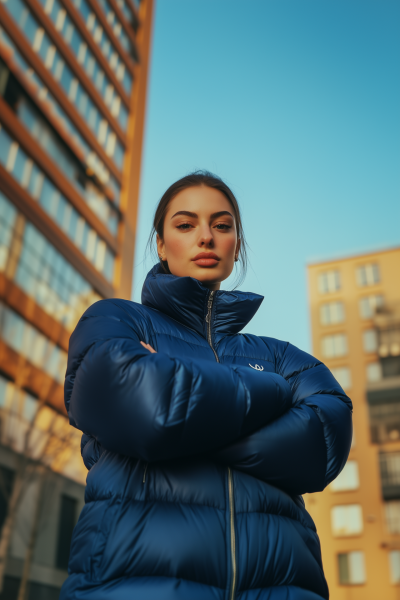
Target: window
351, 568
127, 12
394, 565
31, 344
392, 514
331, 313
105, 44
334, 345
346, 520
374, 372
343, 376
60, 153
367, 274
369, 304
384, 419
370, 340
42, 45
6, 484
54, 204
65, 26
390, 469
329, 282
117, 28
348, 479
66, 524
389, 342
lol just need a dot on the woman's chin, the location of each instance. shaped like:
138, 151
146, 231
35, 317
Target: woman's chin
208, 277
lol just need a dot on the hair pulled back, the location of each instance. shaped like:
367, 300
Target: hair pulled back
198, 178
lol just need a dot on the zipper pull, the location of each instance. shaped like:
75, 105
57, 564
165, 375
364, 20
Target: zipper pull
209, 306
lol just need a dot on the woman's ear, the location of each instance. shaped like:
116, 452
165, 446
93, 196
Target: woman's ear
161, 248
237, 249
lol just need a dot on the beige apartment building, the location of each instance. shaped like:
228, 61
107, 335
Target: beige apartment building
355, 319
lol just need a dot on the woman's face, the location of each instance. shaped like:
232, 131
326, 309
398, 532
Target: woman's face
200, 238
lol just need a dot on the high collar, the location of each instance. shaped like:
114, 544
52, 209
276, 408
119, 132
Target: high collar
185, 300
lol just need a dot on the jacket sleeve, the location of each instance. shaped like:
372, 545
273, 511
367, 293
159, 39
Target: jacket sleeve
152, 406
307, 447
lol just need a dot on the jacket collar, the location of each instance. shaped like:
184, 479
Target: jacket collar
185, 300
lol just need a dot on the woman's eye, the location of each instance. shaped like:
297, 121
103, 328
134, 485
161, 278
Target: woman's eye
222, 226
184, 226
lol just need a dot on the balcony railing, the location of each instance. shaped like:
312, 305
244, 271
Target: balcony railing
390, 475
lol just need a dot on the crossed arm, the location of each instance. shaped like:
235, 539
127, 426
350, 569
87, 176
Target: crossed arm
150, 406
306, 447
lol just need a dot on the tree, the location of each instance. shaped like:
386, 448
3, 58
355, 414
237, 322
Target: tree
44, 442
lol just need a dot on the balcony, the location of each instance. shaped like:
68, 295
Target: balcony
383, 396
384, 410
387, 323
389, 463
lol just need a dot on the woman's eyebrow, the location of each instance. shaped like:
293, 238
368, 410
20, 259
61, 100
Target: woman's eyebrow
220, 213
185, 212
196, 216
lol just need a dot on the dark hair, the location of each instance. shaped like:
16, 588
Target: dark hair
198, 178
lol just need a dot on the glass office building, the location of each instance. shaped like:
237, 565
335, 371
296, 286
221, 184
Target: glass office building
73, 78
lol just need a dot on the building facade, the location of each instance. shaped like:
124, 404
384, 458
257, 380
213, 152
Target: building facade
73, 79
355, 318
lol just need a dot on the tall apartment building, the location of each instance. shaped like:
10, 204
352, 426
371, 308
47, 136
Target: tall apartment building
73, 77
355, 317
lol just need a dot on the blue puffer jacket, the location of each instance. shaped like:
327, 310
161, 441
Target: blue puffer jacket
198, 454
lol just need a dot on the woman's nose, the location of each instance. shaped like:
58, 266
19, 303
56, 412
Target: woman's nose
206, 237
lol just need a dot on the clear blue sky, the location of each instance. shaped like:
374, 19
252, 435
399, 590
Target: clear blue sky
295, 103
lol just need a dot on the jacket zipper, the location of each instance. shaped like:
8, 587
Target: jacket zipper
233, 539
230, 476
208, 320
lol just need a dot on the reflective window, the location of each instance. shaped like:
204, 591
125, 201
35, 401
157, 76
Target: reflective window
394, 564
346, 520
348, 479
46, 137
126, 11
117, 27
367, 274
369, 304
31, 344
370, 340
343, 376
67, 520
8, 215
334, 345
331, 313
65, 26
41, 94
329, 282
352, 568
41, 44
106, 46
24, 170
42, 272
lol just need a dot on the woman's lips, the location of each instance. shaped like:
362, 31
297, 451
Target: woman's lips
206, 259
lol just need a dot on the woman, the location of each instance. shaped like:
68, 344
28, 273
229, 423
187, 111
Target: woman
199, 440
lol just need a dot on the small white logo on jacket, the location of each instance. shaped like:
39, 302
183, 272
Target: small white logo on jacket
257, 367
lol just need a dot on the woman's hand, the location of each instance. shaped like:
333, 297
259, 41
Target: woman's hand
148, 347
